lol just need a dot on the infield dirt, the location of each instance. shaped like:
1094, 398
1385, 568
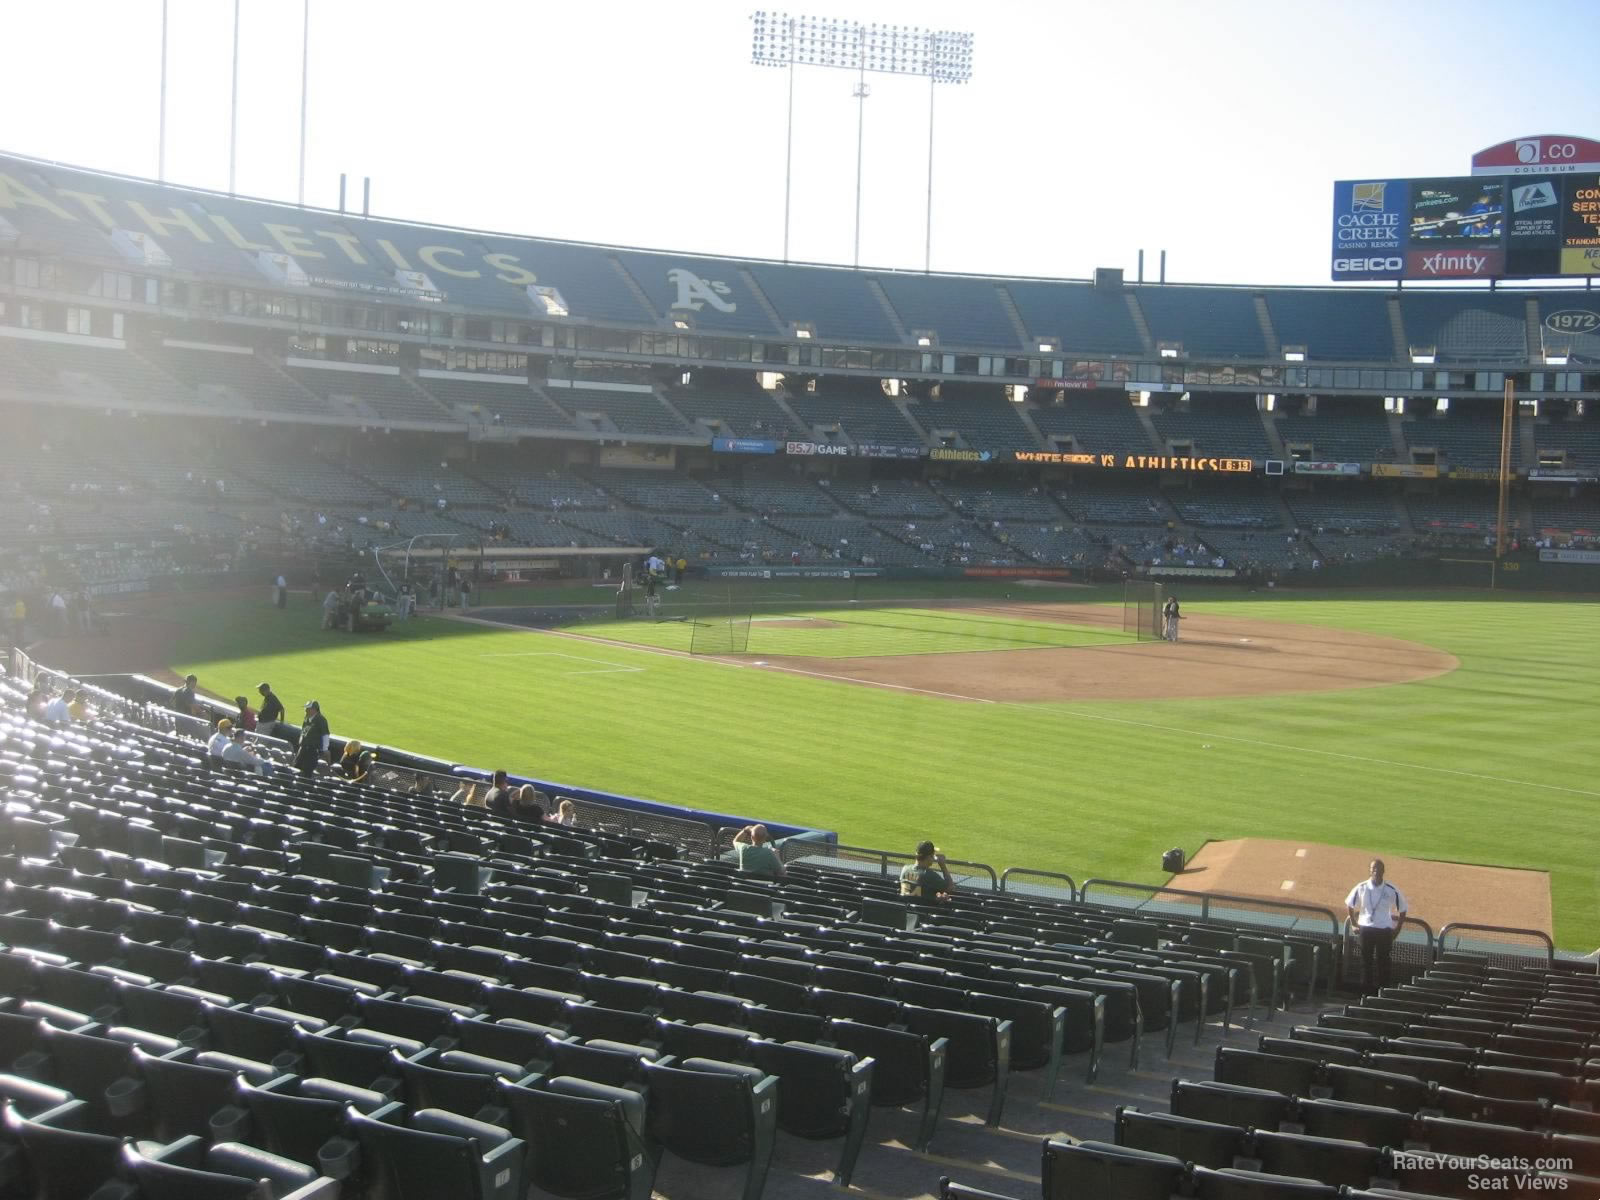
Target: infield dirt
1216, 657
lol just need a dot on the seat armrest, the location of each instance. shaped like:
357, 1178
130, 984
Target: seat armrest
187, 1151
437, 1120
321, 1188
234, 1158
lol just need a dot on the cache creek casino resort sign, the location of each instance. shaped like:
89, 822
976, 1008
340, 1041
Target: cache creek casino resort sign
1530, 209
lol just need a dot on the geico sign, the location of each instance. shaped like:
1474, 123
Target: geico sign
1368, 264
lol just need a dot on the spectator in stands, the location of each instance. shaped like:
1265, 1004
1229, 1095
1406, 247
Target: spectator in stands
38, 700
756, 854
566, 813
928, 878
528, 804
349, 764
246, 717
467, 795
313, 744
183, 699
55, 710
236, 753
219, 739
271, 709
78, 705
1377, 909
498, 798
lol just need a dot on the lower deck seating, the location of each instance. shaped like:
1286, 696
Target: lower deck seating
216, 983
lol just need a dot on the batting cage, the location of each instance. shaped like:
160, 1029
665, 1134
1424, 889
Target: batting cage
720, 620
1141, 609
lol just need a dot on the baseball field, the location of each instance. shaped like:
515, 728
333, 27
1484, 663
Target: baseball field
1019, 727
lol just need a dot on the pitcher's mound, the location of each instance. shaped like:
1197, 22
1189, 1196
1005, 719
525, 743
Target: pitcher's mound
1313, 873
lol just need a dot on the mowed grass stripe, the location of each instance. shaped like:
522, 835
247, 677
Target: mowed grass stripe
858, 632
1041, 785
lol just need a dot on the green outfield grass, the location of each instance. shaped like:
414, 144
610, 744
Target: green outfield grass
857, 632
1492, 763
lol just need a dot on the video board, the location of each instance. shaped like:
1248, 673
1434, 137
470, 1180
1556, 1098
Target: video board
1467, 227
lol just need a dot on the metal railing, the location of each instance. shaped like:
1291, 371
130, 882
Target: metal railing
832, 856
698, 838
693, 837
1499, 944
1413, 951
1043, 891
1279, 916
104, 701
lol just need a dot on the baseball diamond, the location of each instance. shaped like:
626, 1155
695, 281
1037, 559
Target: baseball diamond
505, 712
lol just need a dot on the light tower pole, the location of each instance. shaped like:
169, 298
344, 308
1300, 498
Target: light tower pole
784, 40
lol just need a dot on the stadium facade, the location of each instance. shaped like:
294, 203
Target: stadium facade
404, 379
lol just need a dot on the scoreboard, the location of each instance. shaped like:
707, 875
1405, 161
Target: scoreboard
1512, 226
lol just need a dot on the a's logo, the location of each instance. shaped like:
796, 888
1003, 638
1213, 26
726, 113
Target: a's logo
1367, 197
1527, 150
1533, 195
695, 293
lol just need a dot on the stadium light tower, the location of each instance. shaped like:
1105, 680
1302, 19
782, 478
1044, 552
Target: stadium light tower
161, 121
781, 39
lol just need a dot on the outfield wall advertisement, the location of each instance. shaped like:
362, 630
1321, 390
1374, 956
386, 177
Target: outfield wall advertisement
1467, 227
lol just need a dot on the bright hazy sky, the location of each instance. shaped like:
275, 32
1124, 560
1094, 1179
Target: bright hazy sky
1211, 128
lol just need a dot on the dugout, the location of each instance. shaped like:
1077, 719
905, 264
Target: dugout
491, 564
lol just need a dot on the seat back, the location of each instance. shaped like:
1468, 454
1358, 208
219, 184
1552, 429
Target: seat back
405, 1163
1188, 1139
296, 1127
1368, 1123
975, 1051
818, 1087
900, 1059
1256, 1185
68, 1164
1073, 1170
582, 1143
1277, 1072
707, 1117
1331, 1160
1256, 1108
170, 1181
1363, 1085
186, 1098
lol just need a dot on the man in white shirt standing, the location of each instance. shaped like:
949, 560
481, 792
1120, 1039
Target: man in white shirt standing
1377, 908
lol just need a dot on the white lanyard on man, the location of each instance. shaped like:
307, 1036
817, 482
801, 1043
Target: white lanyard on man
1377, 904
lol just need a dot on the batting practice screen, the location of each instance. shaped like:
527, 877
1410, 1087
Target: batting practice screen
1141, 609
